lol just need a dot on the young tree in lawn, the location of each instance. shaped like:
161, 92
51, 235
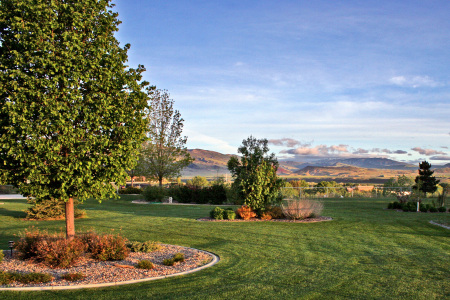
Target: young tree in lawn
165, 154
255, 174
72, 114
425, 182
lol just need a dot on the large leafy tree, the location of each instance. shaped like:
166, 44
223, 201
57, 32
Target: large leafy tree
425, 181
71, 111
165, 154
255, 173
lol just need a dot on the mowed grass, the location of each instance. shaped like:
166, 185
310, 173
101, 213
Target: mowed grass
366, 252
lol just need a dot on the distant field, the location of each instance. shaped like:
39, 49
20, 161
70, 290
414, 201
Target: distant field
366, 252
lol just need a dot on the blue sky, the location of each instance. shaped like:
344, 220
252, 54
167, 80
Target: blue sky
319, 79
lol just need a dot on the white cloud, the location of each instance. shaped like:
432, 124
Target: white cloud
414, 81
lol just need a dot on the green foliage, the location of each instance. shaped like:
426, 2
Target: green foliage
130, 190
165, 155
178, 257
73, 276
423, 208
198, 182
155, 193
442, 209
144, 264
71, 111
1, 255
229, 214
10, 277
50, 209
169, 262
433, 209
146, 247
255, 174
217, 213
425, 182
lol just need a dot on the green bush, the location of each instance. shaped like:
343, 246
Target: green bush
423, 208
229, 214
217, 194
442, 209
130, 190
433, 209
217, 213
169, 262
10, 277
44, 209
428, 206
178, 257
275, 212
148, 246
1, 256
155, 193
145, 264
73, 276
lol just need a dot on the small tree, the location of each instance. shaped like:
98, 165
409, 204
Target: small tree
71, 112
445, 190
198, 182
255, 173
165, 154
425, 182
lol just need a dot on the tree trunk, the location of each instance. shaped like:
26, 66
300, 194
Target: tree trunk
70, 220
160, 181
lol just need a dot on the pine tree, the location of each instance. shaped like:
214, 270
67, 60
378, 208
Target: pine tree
425, 182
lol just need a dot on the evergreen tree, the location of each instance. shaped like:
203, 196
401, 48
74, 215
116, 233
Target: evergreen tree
165, 154
71, 112
425, 182
255, 174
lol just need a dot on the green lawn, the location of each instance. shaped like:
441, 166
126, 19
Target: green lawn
366, 252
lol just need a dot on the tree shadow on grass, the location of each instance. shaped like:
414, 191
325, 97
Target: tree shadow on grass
12, 213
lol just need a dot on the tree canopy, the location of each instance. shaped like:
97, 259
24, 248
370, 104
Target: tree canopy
165, 154
71, 111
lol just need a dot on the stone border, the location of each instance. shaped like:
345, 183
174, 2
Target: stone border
440, 225
214, 261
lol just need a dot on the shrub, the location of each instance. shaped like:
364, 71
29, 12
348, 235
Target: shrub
106, 247
301, 208
275, 212
148, 246
423, 208
73, 276
428, 206
178, 257
5, 278
1, 255
56, 251
440, 209
154, 193
26, 246
391, 205
217, 194
433, 209
43, 209
217, 213
130, 190
245, 212
229, 214
25, 278
266, 216
145, 264
169, 262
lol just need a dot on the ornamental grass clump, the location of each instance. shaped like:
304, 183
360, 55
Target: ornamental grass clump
10, 277
1, 256
107, 247
299, 209
73, 276
178, 257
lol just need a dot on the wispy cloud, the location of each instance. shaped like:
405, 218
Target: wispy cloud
444, 157
287, 142
428, 152
414, 81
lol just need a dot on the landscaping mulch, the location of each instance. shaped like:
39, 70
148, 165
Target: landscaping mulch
308, 220
110, 271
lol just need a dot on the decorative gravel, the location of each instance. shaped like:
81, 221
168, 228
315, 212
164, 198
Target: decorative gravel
110, 271
308, 220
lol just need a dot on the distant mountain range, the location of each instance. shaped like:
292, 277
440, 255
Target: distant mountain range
210, 164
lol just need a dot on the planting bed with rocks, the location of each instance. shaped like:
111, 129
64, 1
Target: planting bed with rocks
96, 272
